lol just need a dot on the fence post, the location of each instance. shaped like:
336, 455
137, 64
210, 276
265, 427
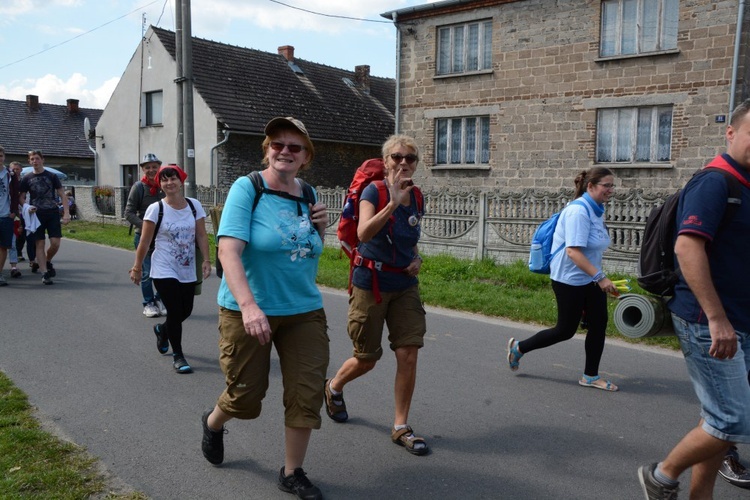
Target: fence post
481, 225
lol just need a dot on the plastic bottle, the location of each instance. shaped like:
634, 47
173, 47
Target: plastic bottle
536, 259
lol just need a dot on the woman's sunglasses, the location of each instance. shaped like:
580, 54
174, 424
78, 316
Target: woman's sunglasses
397, 157
293, 148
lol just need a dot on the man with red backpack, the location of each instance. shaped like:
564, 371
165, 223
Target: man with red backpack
385, 288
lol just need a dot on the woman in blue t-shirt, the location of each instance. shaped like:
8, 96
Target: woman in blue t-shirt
578, 281
386, 289
268, 298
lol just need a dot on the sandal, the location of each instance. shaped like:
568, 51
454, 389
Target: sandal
405, 437
587, 381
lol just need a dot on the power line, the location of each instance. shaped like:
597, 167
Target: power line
77, 36
329, 15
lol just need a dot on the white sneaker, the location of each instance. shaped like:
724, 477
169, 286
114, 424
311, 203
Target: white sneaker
162, 307
150, 310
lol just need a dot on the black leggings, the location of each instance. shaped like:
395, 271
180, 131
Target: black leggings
178, 299
572, 301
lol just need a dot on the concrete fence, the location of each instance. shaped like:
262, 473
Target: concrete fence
471, 224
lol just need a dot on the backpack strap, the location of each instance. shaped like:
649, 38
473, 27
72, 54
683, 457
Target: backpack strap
308, 195
734, 200
577, 201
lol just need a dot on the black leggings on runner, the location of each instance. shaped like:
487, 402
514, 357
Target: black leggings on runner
178, 299
572, 301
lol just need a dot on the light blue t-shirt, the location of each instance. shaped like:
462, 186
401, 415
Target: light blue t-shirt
281, 255
578, 226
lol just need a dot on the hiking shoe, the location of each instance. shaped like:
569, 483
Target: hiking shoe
161, 307
51, 270
180, 364
162, 342
298, 484
150, 310
652, 488
21, 259
34, 267
335, 406
514, 355
2, 281
733, 471
15, 273
212, 444
46, 279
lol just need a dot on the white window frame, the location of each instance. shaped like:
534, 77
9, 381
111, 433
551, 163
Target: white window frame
455, 144
152, 108
458, 54
633, 27
634, 135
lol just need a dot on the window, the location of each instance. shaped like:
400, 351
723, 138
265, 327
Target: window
464, 47
462, 140
634, 135
152, 107
638, 26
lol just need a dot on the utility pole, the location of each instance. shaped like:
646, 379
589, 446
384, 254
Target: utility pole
187, 86
180, 145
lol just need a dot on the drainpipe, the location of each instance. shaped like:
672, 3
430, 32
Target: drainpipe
735, 63
213, 148
398, 70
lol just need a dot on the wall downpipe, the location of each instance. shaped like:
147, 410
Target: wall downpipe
736, 61
398, 71
213, 148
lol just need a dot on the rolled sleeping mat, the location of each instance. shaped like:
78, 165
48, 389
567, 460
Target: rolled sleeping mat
637, 316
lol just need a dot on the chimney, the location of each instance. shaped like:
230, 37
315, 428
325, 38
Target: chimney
287, 51
32, 102
362, 78
72, 106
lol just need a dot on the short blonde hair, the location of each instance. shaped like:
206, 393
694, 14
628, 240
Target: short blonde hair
400, 140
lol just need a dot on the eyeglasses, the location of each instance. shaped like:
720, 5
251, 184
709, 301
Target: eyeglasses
608, 185
397, 157
293, 148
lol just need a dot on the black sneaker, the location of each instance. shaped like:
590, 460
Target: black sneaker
652, 488
46, 279
733, 471
335, 406
15, 273
162, 342
34, 267
51, 270
212, 444
298, 484
180, 364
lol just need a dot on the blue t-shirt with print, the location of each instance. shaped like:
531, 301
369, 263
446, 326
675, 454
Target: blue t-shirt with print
281, 255
393, 245
578, 226
700, 212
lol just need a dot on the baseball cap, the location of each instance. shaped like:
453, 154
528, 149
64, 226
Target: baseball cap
150, 158
287, 122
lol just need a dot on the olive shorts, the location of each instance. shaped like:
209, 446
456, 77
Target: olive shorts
301, 342
402, 311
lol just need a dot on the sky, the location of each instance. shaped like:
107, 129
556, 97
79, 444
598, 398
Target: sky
78, 49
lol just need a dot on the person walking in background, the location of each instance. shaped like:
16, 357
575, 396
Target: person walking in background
142, 194
387, 253
268, 297
711, 317
41, 186
577, 278
8, 212
181, 226
19, 238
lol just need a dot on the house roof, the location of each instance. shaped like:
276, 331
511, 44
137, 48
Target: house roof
51, 128
245, 88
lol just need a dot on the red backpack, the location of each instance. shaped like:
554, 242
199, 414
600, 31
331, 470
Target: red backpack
372, 170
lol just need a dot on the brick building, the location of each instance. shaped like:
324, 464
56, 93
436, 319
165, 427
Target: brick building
511, 95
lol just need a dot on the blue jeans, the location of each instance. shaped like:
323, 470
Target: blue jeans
147, 289
720, 384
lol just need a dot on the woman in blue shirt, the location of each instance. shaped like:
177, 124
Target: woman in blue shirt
578, 281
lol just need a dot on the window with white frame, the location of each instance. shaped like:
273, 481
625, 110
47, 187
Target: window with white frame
152, 108
462, 140
463, 48
634, 135
638, 26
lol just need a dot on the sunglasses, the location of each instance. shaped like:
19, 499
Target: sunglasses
397, 157
293, 148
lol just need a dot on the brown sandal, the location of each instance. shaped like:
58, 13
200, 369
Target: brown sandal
405, 437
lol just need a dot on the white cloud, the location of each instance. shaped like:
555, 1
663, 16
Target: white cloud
17, 7
52, 89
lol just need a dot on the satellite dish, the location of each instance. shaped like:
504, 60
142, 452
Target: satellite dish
86, 128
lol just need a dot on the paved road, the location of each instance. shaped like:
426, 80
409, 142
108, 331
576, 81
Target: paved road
86, 357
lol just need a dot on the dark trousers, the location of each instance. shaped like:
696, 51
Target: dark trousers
178, 299
572, 301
